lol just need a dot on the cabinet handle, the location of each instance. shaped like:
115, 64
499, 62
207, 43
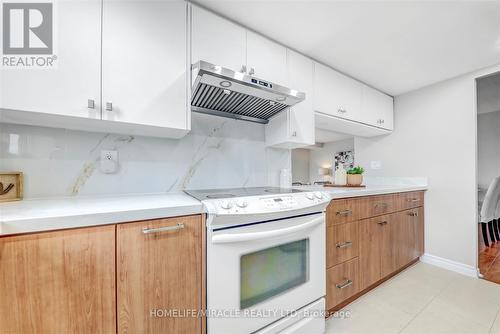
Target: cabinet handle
344, 213
344, 284
294, 134
109, 106
382, 222
413, 200
91, 104
413, 214
148, 230
243, 69
344, 245
384, 205
380, 121
252, 71
341, 110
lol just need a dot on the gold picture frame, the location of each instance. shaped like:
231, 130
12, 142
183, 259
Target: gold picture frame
11, 186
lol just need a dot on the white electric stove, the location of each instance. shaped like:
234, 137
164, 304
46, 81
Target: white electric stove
265, 260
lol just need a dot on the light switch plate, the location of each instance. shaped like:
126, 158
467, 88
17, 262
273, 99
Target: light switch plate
109, 161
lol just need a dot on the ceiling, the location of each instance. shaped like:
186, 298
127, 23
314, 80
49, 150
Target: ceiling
395, 46
488, 94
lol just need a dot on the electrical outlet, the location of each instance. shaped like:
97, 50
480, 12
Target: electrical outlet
376, 164
109, 161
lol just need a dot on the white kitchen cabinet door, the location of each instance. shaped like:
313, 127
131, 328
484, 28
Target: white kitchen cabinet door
144, 63
377, 108
294, 127
336, 94
217, 40
266, 59
66, 88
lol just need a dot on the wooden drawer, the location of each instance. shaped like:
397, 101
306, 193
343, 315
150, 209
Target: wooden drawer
342, 211
378, 205
341, 282
341, 243
410, 200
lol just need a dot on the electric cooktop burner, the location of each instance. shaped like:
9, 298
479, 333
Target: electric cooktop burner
205, 194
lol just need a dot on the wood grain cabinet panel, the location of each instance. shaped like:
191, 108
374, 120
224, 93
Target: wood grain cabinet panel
342, 282
392, 242
410, 200
342, 211
342, 243
370, 250
159, 271
373, 206
58, 282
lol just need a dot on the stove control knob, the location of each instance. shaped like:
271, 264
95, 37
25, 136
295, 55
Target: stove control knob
226, 205
318, 195
310, 196
242, 203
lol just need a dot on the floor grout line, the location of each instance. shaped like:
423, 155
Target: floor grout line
426, 306
494, 320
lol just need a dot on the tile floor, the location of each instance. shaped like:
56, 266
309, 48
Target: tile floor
424, 299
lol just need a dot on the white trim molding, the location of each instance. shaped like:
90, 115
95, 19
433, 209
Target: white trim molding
458, 267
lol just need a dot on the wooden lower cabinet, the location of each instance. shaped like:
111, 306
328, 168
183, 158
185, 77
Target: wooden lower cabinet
343, 243
342, 282
159, 271
58, 282
386, 242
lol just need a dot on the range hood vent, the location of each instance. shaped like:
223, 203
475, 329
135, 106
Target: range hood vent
223, 92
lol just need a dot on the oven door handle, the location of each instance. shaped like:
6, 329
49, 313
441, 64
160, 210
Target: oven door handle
239, 237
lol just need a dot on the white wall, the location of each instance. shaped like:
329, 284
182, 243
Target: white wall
323, 157
435, 136
218, 152
488, 143
300, 165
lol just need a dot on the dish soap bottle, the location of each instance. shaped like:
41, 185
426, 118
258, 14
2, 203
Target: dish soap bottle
340, 175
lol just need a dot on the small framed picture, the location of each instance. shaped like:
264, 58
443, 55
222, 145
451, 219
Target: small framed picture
11, 186
346, 158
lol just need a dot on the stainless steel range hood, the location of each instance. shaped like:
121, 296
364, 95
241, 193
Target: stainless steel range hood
224, 92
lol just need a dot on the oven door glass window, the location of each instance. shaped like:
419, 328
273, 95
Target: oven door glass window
272, 271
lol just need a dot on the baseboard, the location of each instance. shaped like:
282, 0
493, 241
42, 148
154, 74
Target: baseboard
458, 267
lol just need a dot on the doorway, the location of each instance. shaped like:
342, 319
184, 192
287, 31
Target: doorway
488, 176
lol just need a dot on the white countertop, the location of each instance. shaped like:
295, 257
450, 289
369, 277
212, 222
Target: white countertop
59, 213
336, 193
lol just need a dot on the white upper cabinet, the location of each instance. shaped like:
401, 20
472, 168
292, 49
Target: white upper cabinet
300, 77
66, 88
217, 40
266, 59
144, 63
377, 108
336, 94
294, 127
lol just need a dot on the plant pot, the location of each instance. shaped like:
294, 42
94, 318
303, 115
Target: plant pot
354, 179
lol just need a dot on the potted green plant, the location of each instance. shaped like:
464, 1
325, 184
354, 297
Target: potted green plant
355, 176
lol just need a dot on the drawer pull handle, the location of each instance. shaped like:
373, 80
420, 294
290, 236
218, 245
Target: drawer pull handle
413, 200
344, 245
344, 284
413, 214
163, 229
344, 213
383, 205
382, 222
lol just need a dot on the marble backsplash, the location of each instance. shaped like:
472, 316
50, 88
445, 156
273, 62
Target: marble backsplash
217, 153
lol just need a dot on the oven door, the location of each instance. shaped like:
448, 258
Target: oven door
260, 273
